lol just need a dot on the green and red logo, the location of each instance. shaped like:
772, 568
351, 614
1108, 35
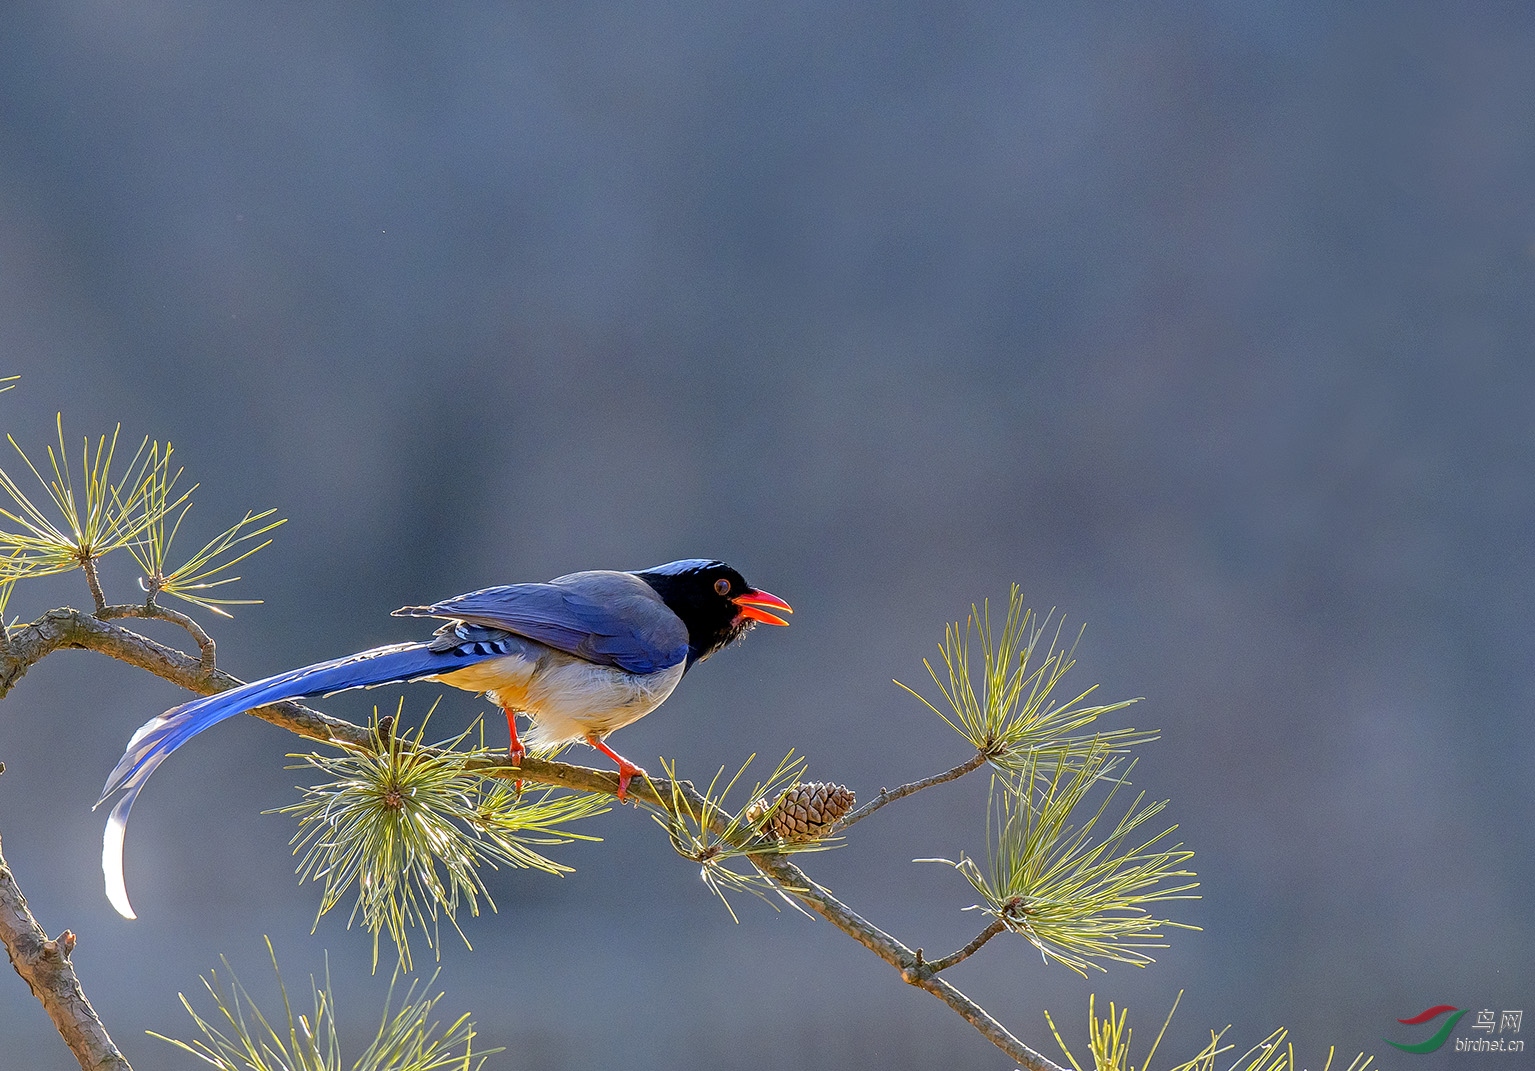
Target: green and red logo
1440, 1036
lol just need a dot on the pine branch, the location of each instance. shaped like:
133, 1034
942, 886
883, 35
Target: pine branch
943, 964
70, 629
890, 795
150, 609
903, 959
44, 965
93, 581
66, 628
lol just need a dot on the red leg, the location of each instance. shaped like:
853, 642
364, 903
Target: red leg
515, 750
626, 769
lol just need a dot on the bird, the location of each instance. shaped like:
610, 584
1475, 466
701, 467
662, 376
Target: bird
580, 656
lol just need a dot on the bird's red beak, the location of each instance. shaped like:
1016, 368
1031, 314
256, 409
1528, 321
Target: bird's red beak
752, 603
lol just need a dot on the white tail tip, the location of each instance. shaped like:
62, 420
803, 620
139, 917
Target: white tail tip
112, 857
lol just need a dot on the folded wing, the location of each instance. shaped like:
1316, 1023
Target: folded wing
610, 618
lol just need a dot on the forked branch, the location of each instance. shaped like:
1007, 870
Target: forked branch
44, 965
150, 609
905, 960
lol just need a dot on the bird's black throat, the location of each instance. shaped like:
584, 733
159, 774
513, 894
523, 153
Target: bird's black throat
692, 590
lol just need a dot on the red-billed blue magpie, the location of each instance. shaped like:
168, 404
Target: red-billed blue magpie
580, 656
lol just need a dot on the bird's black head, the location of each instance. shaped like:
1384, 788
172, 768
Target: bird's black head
714, 601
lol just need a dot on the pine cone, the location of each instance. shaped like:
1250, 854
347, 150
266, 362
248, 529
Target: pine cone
806, 811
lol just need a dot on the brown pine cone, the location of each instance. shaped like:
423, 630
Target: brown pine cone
806, 811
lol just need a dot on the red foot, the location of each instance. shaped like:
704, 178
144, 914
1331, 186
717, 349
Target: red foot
626, 769
516, 751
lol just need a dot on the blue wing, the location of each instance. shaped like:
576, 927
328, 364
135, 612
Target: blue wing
610, 618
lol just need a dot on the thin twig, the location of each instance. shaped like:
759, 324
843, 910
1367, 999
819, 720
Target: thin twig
997, 926
151, 609
890, 795
88, 562
45, 966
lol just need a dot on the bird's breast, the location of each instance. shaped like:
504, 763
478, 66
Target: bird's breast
567, 697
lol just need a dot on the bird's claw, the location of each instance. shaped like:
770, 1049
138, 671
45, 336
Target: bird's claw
626, 769
626, 772
514, 755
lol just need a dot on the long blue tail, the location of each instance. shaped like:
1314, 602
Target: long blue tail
160, 736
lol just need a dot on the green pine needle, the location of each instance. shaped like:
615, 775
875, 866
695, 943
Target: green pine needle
1010, 717
712, 835
1078, 898
411, 830
407, 1039
1273, 1053
203, 570
1109, 1046
1109, 1039
8, 581
511, 821
90, 516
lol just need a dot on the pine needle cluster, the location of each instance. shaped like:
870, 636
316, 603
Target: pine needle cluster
1011, 716
206, 569
713, 835
91, 515
1079, 896
1109, 1047
241, 1037
1108, 1040
96, 507
410, 830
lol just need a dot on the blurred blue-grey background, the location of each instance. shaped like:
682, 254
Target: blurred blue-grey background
1210, 324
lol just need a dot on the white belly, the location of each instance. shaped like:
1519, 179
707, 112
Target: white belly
567, 698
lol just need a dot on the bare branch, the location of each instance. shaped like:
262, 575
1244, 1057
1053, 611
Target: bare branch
151, 609
88, 561
996, 927
890, 795
45, 966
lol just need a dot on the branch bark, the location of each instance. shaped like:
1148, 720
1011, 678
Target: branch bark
905, 960
151, 609
890, 795
46, 968
943, 964
92, 580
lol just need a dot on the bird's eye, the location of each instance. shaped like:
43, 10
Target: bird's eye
722, 586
